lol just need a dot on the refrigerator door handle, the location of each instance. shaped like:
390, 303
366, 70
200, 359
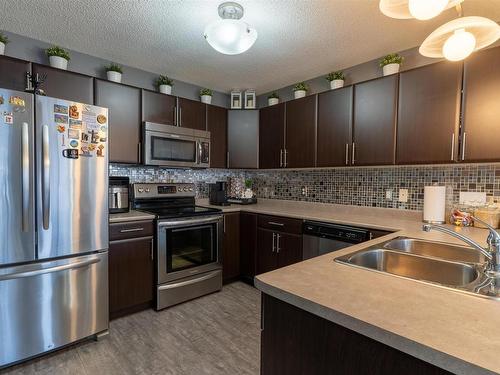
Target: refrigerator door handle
45, 177
25, 146
62, 267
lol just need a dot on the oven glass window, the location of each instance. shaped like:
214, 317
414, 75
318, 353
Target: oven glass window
173, 149
191, 247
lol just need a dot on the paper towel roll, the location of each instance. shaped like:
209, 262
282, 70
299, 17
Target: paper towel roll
434, 204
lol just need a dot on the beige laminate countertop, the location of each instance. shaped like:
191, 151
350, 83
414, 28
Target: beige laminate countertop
452, 330
132, 215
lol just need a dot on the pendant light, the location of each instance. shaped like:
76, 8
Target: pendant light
457, 39
230, 35
419, 9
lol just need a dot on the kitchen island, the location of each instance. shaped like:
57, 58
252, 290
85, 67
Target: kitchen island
447, 330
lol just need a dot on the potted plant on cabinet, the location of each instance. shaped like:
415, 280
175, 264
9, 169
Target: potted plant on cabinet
114, 72
206, 96
273, 99
300, 90
165, 84
391, 63
58, 57
3, 42
336, 79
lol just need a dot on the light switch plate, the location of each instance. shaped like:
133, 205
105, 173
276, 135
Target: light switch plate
472, 197
403, 195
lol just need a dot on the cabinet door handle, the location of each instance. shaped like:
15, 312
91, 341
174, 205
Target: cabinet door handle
151, 249
281, 158
278, 236
463, 145
139, 150
227, 157
274, 239
353, 160
224, 223
175, 115
131, 230
180, 116
285, 164
275, 223
347, 154
452, 146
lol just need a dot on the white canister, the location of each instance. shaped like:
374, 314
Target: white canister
207, 99
297, 94
434, 204
273, 101
114, 76
165, 89
390, 69
336, 84
2, 48
58, 62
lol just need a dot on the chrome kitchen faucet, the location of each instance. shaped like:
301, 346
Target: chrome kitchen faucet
492, 253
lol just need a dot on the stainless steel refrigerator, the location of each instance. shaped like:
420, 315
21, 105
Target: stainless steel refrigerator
53, 224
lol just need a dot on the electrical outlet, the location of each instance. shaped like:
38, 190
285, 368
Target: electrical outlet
304, 191
403, 195
388, 195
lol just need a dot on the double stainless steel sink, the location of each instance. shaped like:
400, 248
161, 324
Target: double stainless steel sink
450, 266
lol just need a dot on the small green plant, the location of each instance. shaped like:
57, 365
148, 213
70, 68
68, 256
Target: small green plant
3, 38
248, 183
113, 67
206, 92
164, 80
58, 51
300, 86
392, 58
274, 95
339, 75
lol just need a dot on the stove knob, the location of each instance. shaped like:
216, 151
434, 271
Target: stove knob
190, 189
140, 190
147, 190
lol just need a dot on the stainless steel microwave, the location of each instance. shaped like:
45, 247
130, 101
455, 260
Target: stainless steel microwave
173, 146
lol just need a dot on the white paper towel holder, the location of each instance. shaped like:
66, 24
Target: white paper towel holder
434, 221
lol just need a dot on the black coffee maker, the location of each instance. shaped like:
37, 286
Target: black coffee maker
217, 193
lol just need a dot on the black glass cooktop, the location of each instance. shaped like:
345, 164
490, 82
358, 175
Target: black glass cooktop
177, 212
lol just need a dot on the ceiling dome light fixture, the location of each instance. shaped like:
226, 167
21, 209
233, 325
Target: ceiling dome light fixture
419, 9
457, 39
230, 35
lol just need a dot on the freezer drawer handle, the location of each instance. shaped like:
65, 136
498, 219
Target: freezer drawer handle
63, 267
46, 177
26, 176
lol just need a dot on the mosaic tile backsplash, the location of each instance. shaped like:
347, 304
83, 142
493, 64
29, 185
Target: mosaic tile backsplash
353, 186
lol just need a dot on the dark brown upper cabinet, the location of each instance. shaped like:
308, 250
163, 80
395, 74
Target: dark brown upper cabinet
481, 116
13, 73
217, 126
374, 127
158, 108
66, 85
192, 114
124, 104
300, 141
429, 114
271, 136
334, 127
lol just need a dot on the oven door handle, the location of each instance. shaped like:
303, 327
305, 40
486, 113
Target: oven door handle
196, 221
189, 282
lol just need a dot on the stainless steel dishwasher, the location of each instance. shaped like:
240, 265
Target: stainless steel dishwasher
322, 238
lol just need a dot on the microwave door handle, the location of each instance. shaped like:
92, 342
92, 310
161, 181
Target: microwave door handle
199, 152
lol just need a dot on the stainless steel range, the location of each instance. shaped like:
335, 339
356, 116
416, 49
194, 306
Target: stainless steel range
187, 244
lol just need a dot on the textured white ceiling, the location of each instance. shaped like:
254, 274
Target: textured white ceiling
298, 39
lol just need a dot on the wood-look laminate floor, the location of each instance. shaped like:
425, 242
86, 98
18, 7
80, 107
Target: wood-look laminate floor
215, 334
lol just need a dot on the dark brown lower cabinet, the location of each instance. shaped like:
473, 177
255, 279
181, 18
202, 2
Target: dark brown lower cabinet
231, 246
277, 249
130, 269
296, 342
248, 246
